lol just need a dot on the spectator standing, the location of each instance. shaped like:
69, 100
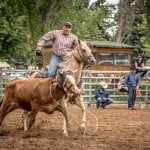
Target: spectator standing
132, 82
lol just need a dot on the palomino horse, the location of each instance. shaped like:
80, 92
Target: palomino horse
79, 58
38, 94
75, 61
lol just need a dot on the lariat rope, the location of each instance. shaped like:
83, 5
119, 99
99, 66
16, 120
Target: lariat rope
96, 120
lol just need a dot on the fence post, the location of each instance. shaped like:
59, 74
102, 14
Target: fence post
115, 94
146, 101
90, 87
1, 88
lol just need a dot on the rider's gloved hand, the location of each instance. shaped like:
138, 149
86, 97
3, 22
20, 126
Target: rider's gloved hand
38, 52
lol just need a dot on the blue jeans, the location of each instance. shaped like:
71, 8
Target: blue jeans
103, 102
54, 61
131, 97
143, 72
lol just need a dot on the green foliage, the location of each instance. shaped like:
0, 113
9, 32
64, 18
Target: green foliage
147, 12
88, 23
23, 22
133, 27
147, 54
20, 28
14, 47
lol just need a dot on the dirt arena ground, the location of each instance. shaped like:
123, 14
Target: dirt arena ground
118, 129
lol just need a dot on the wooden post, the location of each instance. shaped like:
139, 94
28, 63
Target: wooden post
90, 88
146, 101
1, 88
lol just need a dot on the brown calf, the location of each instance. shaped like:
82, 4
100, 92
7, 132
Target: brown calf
47, 95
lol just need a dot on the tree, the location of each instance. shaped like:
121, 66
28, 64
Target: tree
147, 12
131, 27
13, 34
21, 26
24, 23
88, 22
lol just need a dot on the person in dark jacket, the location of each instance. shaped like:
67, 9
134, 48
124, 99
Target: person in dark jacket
102, 96
132, 82
139, 64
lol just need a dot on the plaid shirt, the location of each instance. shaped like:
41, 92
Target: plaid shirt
61, 43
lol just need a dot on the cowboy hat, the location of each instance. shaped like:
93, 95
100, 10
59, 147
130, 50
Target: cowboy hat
103, 84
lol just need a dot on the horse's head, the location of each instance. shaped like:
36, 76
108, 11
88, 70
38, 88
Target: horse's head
85, 54
67, 81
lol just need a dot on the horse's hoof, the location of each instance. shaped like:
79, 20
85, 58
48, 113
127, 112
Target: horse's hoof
26, 129
65, 134
82, 129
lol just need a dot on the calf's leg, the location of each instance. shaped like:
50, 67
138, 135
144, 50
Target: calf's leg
5, 109
66, 123
24, 119
29, 119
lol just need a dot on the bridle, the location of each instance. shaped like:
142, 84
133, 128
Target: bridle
82, 57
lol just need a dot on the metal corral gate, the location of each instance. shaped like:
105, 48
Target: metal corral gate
3, 83
7, 75
92, 78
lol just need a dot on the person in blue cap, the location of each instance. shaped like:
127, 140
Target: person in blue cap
132, 82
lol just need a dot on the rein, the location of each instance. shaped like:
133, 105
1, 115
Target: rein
79, 60
78, 50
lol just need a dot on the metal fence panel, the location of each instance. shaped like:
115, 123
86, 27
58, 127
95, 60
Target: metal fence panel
91, 81
3, 83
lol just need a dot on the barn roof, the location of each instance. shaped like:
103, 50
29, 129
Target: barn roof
100, 44
4, 64
109, 44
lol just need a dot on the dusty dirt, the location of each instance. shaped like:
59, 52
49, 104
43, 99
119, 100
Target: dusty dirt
119, 129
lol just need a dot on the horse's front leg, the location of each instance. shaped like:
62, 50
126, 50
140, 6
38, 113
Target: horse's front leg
79, 102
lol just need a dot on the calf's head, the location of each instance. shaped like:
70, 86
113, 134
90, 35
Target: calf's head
67, 81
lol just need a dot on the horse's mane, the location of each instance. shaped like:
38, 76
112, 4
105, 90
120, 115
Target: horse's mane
66, 59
